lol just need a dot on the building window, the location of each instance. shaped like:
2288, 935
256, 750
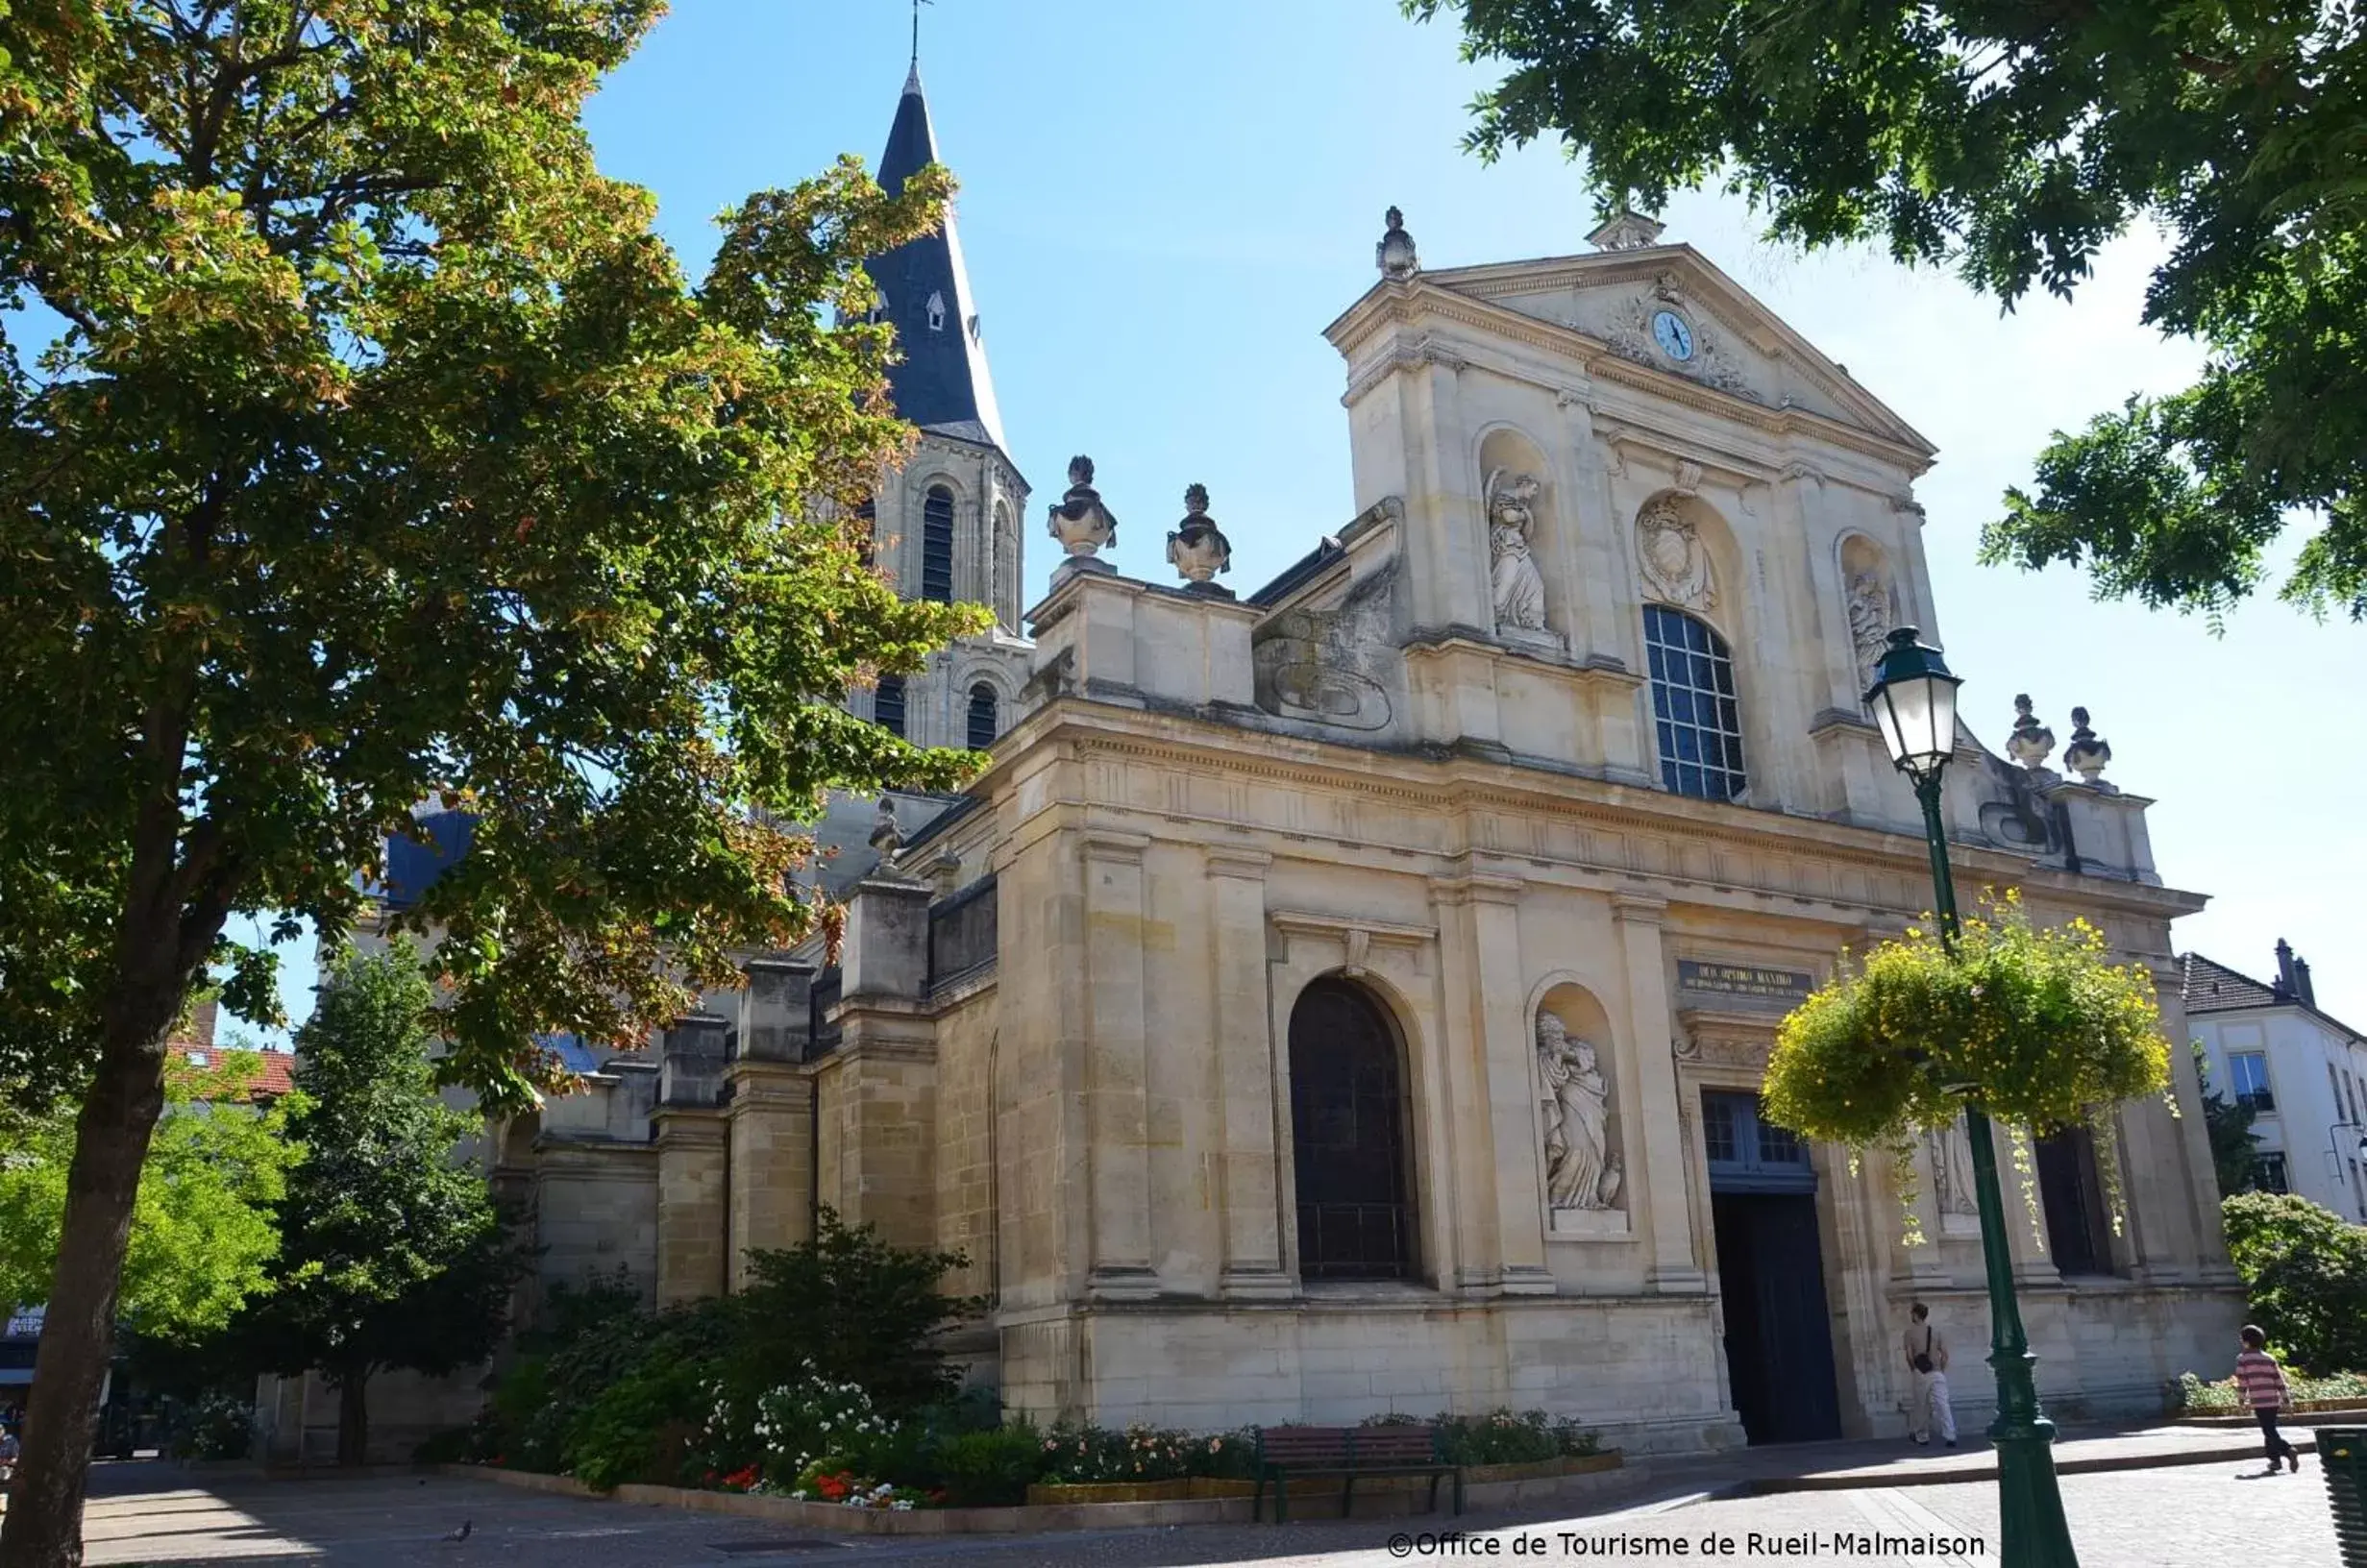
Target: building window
936, 312
888, 704
2248, 1075
867, 541
2268, 1174
1348, 1134
983, 715
2076, 1226
937, 545
1693, 707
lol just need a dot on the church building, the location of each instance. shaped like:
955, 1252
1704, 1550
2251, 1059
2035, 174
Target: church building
1351, 996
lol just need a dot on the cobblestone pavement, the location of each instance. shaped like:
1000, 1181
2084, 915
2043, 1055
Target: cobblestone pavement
2210, 1516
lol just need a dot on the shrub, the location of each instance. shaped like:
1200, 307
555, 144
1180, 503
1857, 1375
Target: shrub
640, 1428
214, 1426
1087, 1455
1502, 1437
988, 1469
2194, 1394
2306, 1268
854, 1309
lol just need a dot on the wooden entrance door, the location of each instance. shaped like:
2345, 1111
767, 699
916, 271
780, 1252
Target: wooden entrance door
1771, 1264
1348, 1137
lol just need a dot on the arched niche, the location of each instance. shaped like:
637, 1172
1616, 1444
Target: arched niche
1351, 1134
1578, 1108
1869, 602
1524, 533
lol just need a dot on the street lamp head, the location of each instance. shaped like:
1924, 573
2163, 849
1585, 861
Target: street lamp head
1913, 699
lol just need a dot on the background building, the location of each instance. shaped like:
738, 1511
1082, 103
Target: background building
2304, 1076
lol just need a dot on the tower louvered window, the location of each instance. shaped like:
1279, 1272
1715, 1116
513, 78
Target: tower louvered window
984, 720
937, 545
888, 704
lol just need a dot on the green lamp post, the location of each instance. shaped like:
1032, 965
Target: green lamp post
1913, 701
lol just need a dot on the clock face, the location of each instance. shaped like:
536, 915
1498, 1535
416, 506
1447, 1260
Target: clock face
1675, 338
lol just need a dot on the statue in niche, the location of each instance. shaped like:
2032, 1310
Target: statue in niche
1676, 563
1870, 618
1951, 1174
1520, 590
1580, 1171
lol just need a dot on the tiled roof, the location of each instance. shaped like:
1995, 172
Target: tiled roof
278, 1068
2211, 986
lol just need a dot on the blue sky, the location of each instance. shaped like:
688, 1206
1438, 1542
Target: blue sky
1163, 204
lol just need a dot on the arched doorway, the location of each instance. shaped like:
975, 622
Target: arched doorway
1349, 1126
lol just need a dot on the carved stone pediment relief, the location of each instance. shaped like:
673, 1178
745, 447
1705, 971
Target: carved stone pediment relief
1728, 1041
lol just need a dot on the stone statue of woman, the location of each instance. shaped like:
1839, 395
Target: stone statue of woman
1577, 1152
1519, 591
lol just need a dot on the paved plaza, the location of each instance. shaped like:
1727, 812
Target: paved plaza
1869, 1506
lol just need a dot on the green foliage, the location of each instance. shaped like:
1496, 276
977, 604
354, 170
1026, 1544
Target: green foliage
989, 1469
2195, 1394
2011, 141
2230, 1126
384, 453
1503, 1438
2306, 1267
2030, 1025
394, 1255
218, 1426
850, 1308
203, 1232
642, 1426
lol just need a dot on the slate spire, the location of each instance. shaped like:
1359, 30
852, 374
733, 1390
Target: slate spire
941, 384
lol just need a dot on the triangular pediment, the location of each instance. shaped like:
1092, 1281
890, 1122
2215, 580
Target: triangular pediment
1666, 308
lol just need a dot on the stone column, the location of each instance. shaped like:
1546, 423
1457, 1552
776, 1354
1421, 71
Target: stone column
1249, 1191
1117, 1088
770, 1114
1676, 1263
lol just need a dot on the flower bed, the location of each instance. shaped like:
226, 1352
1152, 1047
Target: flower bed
2344, 1390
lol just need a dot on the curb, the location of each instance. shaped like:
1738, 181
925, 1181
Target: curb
1958, 1475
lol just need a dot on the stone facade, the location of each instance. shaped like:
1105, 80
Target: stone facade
1457, 771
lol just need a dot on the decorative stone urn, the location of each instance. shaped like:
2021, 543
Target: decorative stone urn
2032, 741
1079, 521
1394, 254
1198, 548
2088, 753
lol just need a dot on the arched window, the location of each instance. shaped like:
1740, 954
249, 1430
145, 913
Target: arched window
937, 545
867, 518
1693, 709
1349, 1138
984, 720
888, 704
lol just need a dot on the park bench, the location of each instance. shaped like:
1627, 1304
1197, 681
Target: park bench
1350, 1452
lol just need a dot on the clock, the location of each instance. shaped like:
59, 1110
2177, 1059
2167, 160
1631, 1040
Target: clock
1675, 338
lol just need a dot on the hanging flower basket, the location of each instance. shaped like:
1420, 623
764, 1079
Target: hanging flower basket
2030, 1025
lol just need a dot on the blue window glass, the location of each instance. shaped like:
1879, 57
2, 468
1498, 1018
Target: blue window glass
1695, 714
2248, 1075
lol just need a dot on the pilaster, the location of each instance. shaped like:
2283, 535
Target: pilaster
1676, 1267
1116, 1088
1249, 1193
693, 1184
771, 1170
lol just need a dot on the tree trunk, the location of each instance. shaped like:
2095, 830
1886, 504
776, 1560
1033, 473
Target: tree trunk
43, 1527
354, 1418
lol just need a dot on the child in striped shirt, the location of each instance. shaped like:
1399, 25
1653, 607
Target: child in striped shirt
2261, 1380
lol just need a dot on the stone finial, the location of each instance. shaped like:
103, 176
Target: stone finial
2088, 753
2030, 742
1198, 548
1394, 254
1626, 231
1079, 521
886, 837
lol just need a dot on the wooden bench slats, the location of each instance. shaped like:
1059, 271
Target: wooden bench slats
1346, 1452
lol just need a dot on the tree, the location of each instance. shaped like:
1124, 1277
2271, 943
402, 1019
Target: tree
2012, 140
202, 1235
2230, 1126
381, 454
393, 1255
2306, 1267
